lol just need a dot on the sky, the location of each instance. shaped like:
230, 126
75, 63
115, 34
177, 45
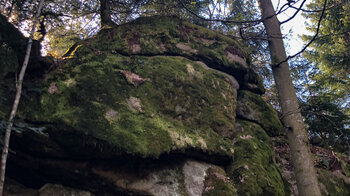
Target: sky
296, 26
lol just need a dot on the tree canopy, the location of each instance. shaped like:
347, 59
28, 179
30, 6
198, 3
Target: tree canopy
327, 105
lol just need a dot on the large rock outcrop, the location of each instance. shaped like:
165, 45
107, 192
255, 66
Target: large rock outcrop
148, 107
157, 106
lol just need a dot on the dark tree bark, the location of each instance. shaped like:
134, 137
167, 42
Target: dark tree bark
297, 136
16, 101
105, 13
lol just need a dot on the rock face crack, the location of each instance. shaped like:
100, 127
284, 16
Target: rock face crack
232, 80
199, 61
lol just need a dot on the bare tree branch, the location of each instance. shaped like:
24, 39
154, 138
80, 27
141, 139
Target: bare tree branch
296, 12
316, 11
254, 22
310, 42
227, 21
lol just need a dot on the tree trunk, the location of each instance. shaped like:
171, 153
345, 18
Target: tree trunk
16, 101
297, 137
105, 13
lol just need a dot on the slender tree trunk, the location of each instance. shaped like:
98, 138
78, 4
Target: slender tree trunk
297, 137
16, 101
105, 13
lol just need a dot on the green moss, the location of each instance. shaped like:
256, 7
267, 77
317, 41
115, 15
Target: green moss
333, 185
252, 107
180, 108
160, 35
253, 170
345, 167
177, 109
216, 183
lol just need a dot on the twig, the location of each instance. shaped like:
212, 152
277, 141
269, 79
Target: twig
310, 42
296, 12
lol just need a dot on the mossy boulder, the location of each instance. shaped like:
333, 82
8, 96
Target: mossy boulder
144, 103
333, 182
253, 169
252, 107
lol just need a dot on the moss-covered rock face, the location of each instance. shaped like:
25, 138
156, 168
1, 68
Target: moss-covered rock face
12, 50
252, 107
172, 36
253, 170
131, 107
333, 182
144, 105
216, 183
149, 87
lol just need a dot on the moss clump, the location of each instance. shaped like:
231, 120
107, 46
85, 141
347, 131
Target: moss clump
333, 184
216, 183
253, 170
252, 107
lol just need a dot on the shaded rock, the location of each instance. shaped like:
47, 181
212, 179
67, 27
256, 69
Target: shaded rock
230, 78
194, 176
168, 175
217, 183
253, 170
183, 179
172, 103
333, 183
13, 188
253, 83
252, 107
235, 58
59, 190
